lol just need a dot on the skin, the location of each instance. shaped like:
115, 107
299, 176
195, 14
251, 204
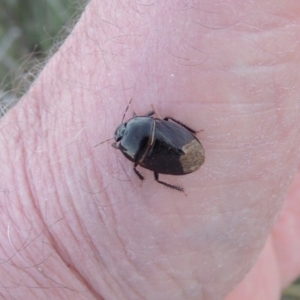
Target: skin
76, 222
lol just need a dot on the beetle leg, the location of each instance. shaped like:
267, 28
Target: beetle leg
175, 187
139, 175
150, 113
180, 123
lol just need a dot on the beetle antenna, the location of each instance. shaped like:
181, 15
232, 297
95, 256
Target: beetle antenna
103, 142
121, 122
126, 109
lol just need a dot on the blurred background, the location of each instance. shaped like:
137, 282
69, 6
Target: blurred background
30, 30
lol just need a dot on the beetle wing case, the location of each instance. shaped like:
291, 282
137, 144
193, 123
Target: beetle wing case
175, 150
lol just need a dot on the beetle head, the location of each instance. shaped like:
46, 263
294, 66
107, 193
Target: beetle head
120, 131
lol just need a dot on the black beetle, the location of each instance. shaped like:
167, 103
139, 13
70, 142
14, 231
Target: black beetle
159, 145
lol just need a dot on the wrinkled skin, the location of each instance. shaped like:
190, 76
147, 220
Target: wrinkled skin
76, 222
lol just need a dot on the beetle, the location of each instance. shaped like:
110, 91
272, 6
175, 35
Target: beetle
164, 146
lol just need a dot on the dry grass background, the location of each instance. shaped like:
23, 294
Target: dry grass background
28, 31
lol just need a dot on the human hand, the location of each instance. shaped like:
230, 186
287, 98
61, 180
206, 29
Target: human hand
75, 221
